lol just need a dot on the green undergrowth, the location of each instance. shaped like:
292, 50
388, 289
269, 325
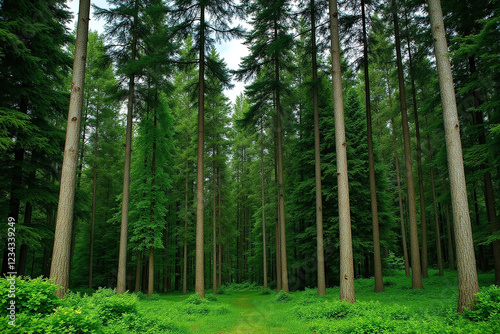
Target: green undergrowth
247, 308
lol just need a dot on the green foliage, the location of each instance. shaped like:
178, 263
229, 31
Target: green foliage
282, 297
487, 305
392, 264
194, 305
32, 296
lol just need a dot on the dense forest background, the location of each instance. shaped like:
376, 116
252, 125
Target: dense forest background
259, 152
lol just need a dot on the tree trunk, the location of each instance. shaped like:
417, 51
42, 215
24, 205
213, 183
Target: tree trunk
200, 268
62, 239
94, 191
415, 254
317, 161
185, 255
379, 283
436, 217
346, 256
138, 272
281, 183
278, 243
122, 256
151, 274
214, 225
466, 262
401, 209
263, 204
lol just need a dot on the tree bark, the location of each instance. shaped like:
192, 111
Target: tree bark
466, 262
377, 259
214, 224
401, 209
346, 257
122, 255
62, 239
151, 273
263, 204
415, 254
436, 217
317, 161
94, 191
200, 268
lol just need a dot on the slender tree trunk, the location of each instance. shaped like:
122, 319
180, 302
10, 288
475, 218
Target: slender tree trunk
436, 217
151, 273
94, 192
62, 239
263, 204
423, 220
379, 283
186, 198
214, 225
200, 268
122, 255
466, 262
138, 271
281, 197
346, 257
415, 254
489, 195
317, 161
278, 243
401, 209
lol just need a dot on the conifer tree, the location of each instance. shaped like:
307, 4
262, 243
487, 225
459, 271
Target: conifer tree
60, 257
214, 20
346, 256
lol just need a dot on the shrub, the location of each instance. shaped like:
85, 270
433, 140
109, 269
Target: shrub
266, 292
486, 306
282, 296
194, 299
110, 305
211, 298
32, 296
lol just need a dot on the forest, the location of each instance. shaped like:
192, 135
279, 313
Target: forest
350, 187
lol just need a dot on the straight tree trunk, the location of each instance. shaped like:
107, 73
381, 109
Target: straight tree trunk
489, 195
94, 191
401, 209
346, 257
317, 161
62, 239
263, 204
281, 183
186, 198
151, 273
436, 216
138, 271
214, 226
122, 255
278, 243
200, 267
377, 259
415, 254
466, 262
423, 220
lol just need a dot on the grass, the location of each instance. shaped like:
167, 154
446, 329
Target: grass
399, 309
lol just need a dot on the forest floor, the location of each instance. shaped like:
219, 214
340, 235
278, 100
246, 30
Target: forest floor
399, 309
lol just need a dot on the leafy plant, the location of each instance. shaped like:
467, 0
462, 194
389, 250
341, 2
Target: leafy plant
487, 305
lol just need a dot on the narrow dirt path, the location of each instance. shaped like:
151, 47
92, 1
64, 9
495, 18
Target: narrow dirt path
253, 315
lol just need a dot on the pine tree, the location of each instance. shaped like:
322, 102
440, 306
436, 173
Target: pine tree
346, 256
60, 256
221, 12
466, 262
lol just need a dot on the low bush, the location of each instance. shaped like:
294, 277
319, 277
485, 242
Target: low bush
32, 296
282, 296
486, 306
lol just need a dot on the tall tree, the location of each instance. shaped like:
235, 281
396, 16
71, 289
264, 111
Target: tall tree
466, 262
219, 14
346, 256
62, 239
415, 253
379, 284
123, 25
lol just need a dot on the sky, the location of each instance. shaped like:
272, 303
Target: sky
231, 52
